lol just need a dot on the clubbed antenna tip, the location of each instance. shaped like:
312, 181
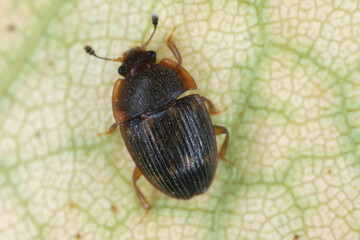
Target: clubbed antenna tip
89, 50
155, 18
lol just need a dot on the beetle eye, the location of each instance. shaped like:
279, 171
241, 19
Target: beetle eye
121, 71
152, 55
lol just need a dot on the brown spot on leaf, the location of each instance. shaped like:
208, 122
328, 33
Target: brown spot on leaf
11, 28
37, 134
114, 209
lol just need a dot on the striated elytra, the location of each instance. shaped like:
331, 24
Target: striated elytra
171, 139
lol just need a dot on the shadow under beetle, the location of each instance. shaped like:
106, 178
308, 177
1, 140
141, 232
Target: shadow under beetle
171, 140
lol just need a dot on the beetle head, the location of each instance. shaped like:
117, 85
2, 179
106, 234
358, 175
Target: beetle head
135, 58
138, 57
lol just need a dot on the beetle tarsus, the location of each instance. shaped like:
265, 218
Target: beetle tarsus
228, 161
145, 216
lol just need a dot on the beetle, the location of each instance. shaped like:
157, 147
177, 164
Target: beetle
170, 139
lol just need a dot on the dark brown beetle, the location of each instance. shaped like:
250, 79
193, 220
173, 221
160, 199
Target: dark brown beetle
172, 141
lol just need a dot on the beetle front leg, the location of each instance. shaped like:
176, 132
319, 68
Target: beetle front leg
136, 175
170, 43
222, 130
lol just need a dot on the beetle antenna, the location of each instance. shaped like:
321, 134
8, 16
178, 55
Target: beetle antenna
91, 51
155, 20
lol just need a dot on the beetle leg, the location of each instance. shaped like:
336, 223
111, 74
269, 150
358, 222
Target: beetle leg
136, 175
212, 108
222, 130
170, 43
111, 130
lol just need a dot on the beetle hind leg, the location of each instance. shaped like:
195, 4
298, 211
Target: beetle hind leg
136, 175
222, 130
170, 43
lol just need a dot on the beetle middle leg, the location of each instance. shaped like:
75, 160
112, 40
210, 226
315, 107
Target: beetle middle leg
212, 108
136, 175
111, 130
170, 43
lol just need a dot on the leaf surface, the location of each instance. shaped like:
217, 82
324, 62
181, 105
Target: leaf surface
287, 73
